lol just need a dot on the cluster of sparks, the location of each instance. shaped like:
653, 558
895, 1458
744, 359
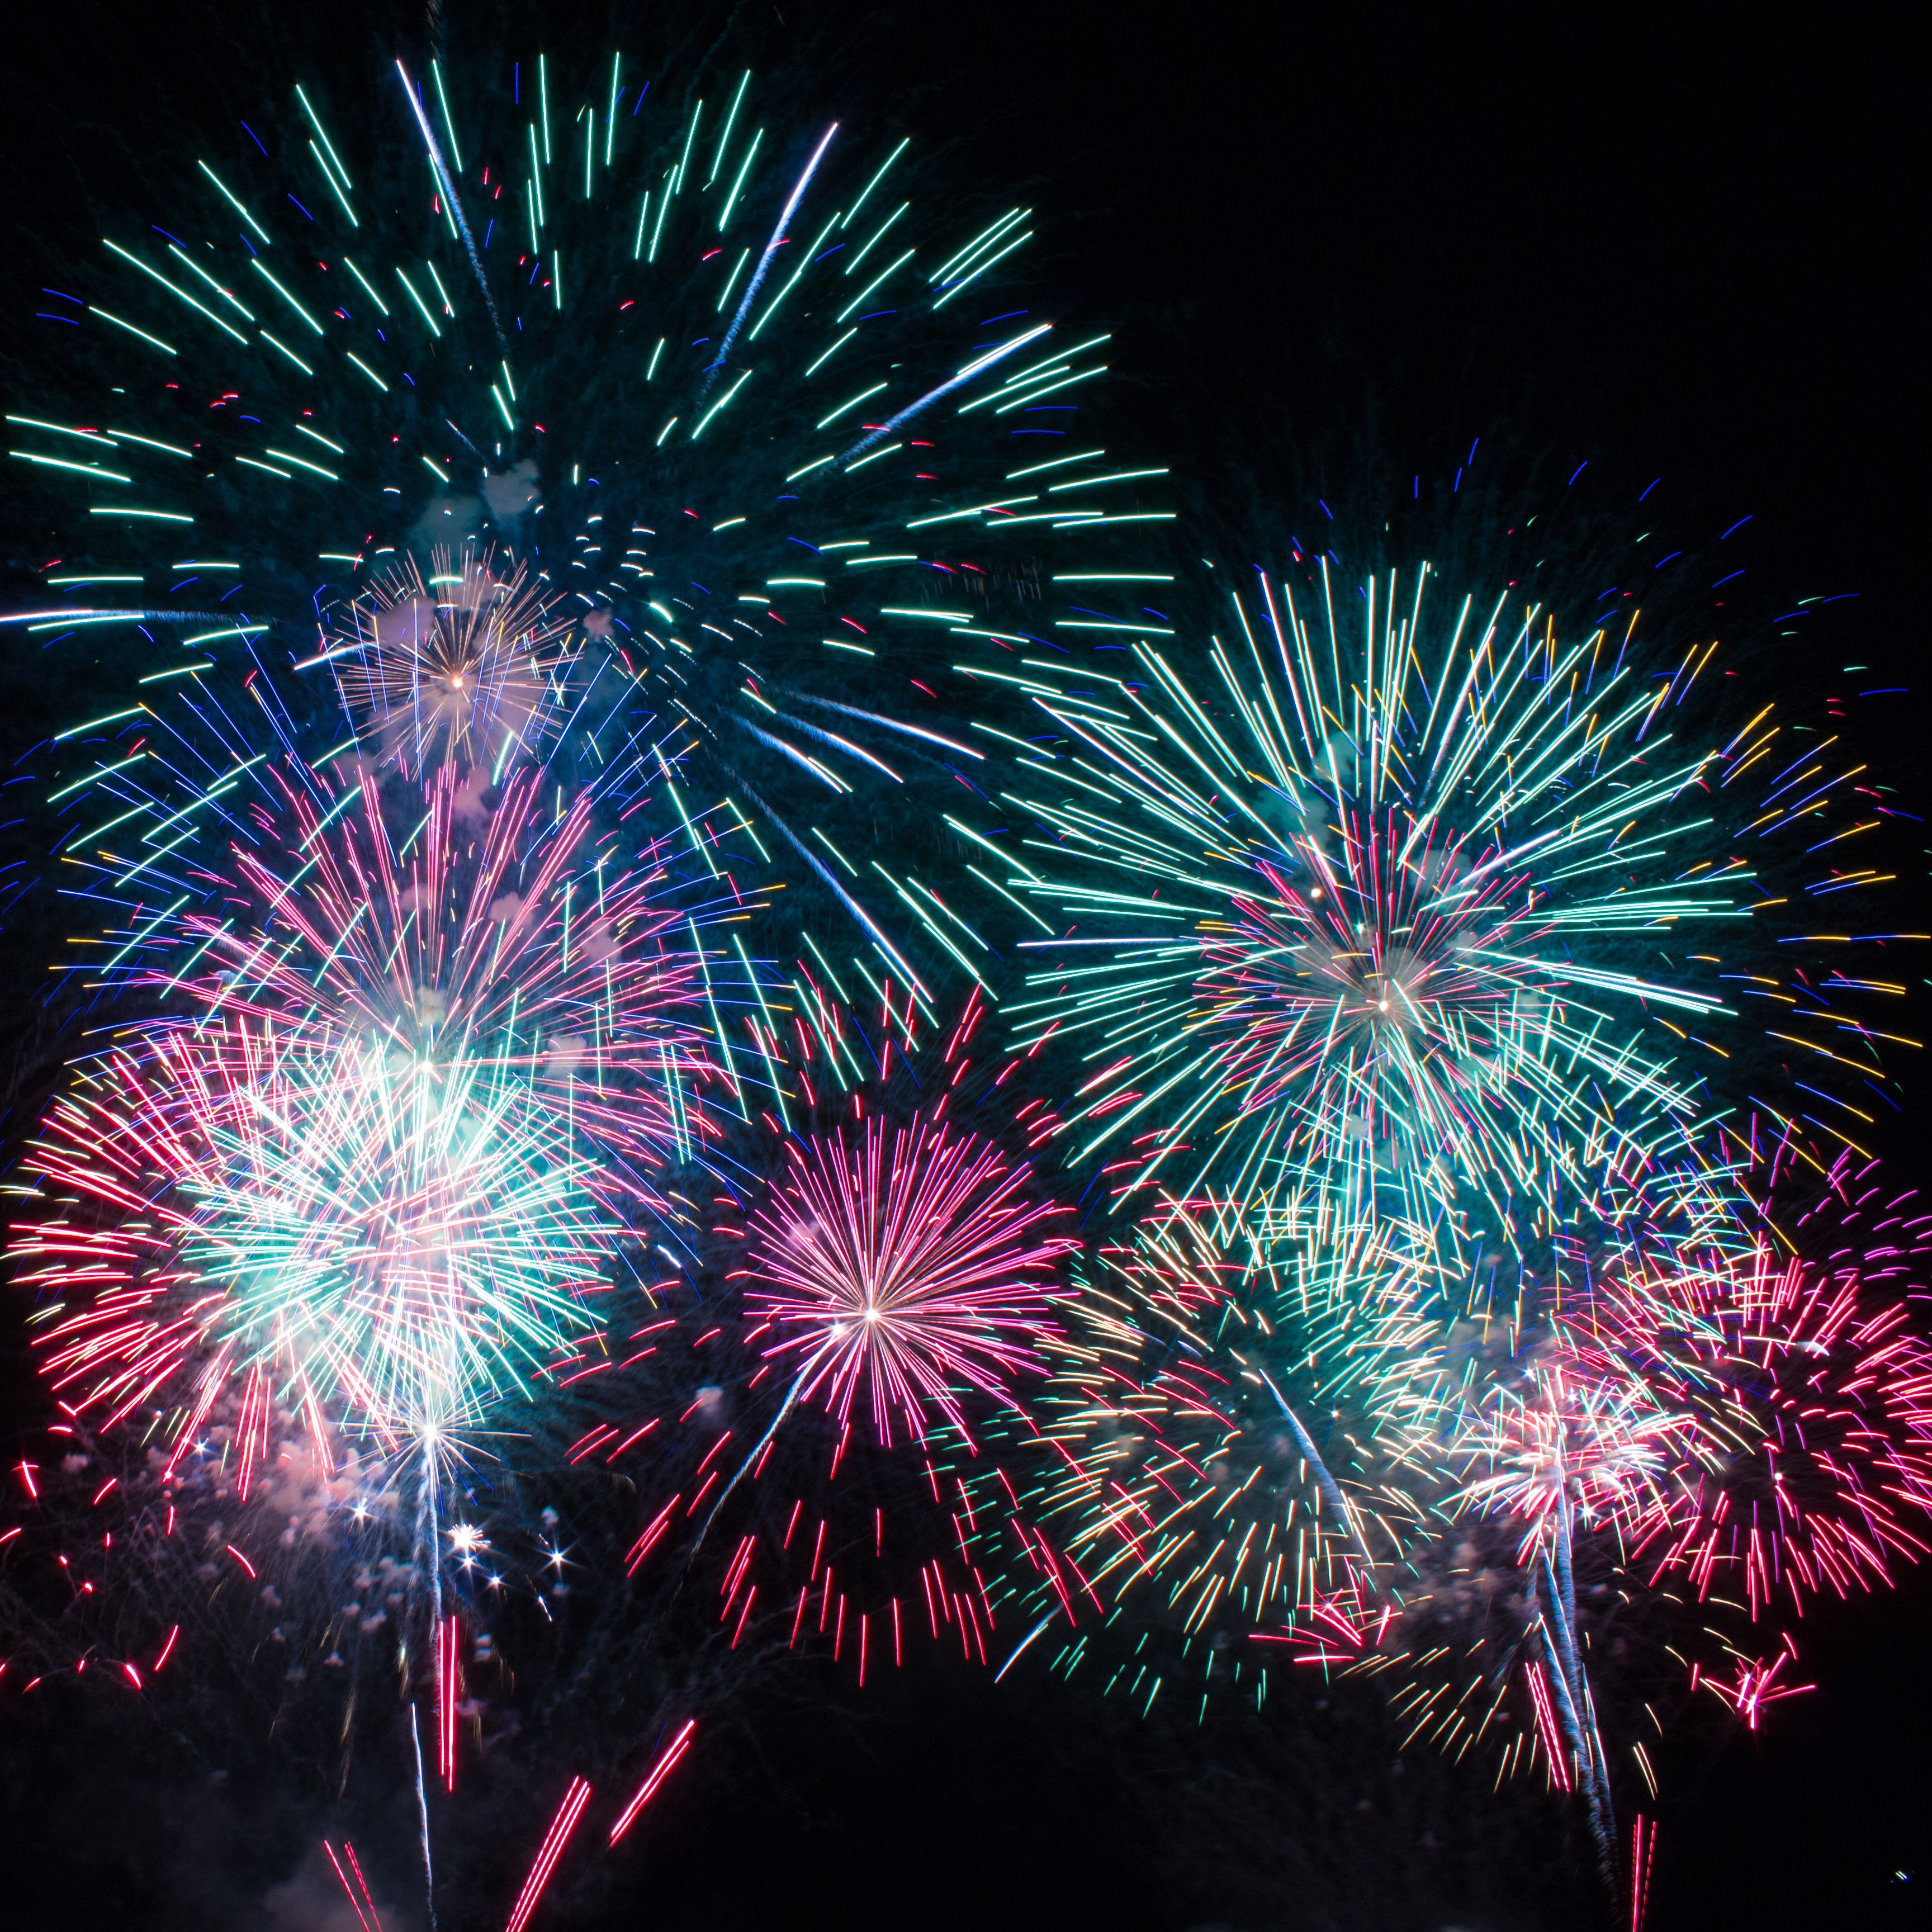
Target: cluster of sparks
1433, 1301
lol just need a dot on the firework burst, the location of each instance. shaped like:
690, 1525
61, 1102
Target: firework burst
1567, 1450
906, 1266
1220, 1448
389, 1162
745, 395
810, 1460
462, 665
1380, 917
1814, 1390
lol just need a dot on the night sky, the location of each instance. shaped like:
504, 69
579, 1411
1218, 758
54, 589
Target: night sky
1337, 247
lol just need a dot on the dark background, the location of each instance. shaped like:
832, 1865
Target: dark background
1336, 246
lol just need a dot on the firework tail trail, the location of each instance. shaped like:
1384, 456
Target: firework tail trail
1643, 1853
450, 201
428, 1509
785, 1409
1324, 1481
978, 364
422, 1811
1603, 1820
1024, 1642
425, 1515
428, 1537
1578, 1706
826, 878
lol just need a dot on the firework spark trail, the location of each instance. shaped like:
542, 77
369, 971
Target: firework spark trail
1025, 1644
758, 1448
449, 1630
1643, 1855
1330, 1488
666, 1764
452, 200
363, 1905
422, 1814
562, 1825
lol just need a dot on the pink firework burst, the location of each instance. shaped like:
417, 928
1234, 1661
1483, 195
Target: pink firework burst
1754, 1686
453, 668
1814, 1388
910, 1265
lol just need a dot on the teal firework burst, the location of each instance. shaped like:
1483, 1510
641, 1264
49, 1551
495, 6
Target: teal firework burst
767, 415
1392, 912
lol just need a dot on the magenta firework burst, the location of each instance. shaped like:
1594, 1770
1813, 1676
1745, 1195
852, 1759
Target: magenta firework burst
909, 1262
1813, 1390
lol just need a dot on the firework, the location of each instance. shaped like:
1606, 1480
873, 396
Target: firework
1755, 1685
757, 401
388, 1164
810, 1464
1699, 1441
1566, 1452
908, 1268
1812, 1387
1230, 1439
1428, 1334
462, 665
1222, 1448
1380, 917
